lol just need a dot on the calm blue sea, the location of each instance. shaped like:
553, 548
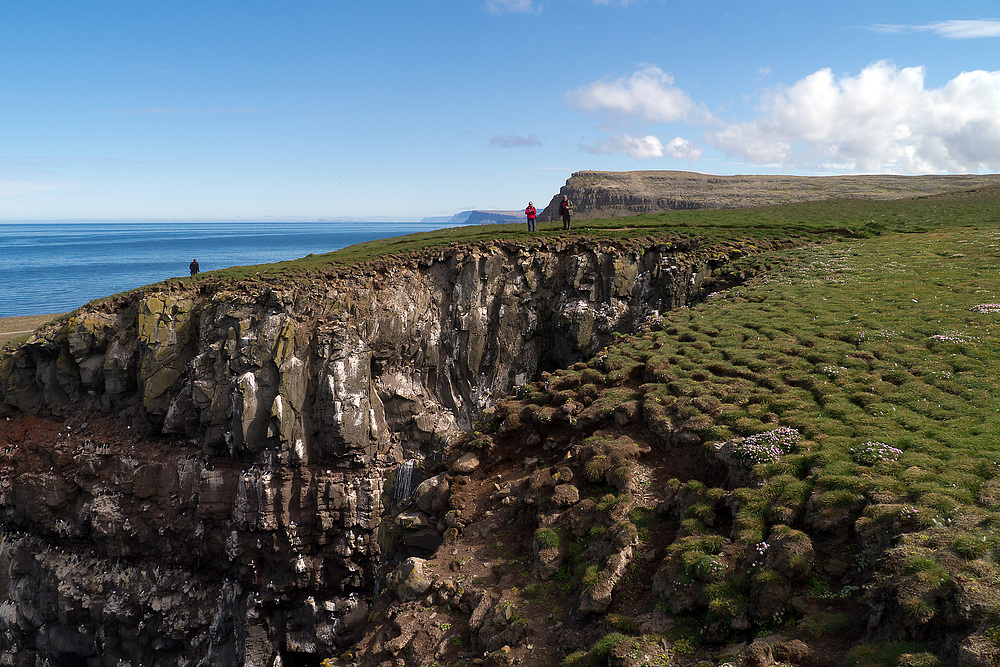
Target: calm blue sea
56, 267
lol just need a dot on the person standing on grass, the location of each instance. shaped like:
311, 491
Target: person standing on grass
531, 213
194, 267
564, 208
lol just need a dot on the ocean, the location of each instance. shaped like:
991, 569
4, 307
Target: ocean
55, 267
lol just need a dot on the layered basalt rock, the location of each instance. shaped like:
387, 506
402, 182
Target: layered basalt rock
115, 547
235, 509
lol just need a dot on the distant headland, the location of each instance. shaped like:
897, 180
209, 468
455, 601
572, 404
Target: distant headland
605, 194
477, 217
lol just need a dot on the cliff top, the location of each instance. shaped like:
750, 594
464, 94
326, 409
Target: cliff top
800, 220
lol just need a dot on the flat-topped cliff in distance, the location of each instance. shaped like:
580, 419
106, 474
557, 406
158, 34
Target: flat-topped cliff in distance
602, 194
477, 217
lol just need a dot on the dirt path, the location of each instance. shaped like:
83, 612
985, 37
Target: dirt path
13, 327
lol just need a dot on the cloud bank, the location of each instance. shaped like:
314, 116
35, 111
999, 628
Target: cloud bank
884, 119
647, 147
515, 141
949, 29
638, 148
647, 96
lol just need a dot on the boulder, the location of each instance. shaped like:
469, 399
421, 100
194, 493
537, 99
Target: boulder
978, 650
466, 464
565, 495
410, 580
431, 494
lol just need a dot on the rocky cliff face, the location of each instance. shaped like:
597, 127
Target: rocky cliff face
333, 370
218, 491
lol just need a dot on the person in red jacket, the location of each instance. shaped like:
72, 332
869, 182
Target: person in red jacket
531, 213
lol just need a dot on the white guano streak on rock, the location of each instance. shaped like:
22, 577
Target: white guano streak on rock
247, 384
346, 402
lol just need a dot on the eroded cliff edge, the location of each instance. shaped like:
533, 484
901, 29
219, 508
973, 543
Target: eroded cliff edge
284, 410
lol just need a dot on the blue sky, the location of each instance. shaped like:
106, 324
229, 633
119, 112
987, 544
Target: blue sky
314, 109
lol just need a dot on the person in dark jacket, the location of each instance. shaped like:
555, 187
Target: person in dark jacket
564, 208
194, 267
531, 213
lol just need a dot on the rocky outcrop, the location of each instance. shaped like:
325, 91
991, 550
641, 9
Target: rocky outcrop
607, 194
235, 511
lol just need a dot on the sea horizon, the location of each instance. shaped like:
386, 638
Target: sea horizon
58, 266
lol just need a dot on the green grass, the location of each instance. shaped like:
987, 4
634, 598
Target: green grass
826, 623
876, 343
546, 538
891, 655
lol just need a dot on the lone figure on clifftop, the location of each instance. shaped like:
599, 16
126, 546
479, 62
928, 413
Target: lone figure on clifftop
194, 267
531, 213
564, 208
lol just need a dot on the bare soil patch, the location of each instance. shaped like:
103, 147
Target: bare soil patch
14, 328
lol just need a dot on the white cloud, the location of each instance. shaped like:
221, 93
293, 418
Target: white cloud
951, 29
515, 141
648, 95
883, 119
682, 149
510, 6
639, 148
647, 147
